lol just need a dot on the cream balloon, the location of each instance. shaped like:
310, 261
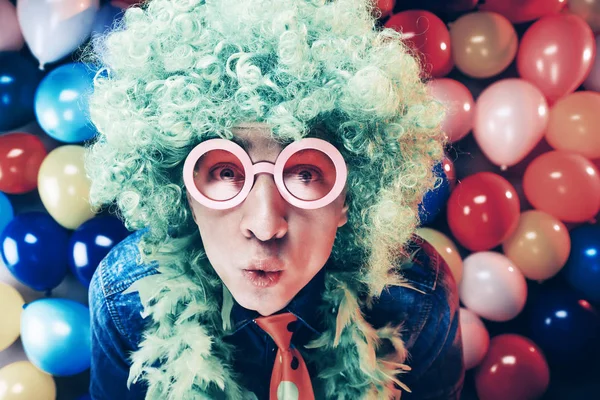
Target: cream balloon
24, 381
64, 187
483, 43
11, 38
475, 338
446, 248
492, 286
540, 245
511, 116
55, 28
10, 324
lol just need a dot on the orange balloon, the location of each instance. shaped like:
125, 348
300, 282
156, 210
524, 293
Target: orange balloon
566, 185
540, 246
574, 123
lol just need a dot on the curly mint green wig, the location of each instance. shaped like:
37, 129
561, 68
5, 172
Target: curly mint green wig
181, 71
178, 72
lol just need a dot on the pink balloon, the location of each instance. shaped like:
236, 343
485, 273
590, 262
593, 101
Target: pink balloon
460, 106
492, 286
475, 338
592, 82
11, 38
511, 116
556, 54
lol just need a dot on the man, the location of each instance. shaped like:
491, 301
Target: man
272, 156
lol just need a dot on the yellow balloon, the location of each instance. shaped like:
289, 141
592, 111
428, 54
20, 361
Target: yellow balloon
24, 381
446, 248
64, 187
10, 320
540, 245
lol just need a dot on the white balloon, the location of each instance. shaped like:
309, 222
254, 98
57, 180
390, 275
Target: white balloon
475, 338
55, 28
492, 286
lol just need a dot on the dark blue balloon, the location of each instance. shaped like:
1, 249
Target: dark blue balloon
583, 266
565, 326
91, 242
19, 79
34, 248
435, 200
106, 18
84, 397
6, 211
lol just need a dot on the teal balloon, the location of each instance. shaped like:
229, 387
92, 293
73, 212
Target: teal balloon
61, 103
6, 212
56, 336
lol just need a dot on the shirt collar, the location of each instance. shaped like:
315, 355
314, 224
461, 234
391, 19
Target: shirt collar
303, 306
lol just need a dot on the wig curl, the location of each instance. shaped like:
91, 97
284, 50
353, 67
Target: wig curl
178, 72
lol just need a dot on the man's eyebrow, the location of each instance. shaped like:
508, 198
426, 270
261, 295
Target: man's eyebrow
246, 144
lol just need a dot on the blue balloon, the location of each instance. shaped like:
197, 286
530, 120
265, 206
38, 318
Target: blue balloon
583, 266
91, 242
6, 211
106, 18
84, 397
565, 326
61, 103
56, 336
34, 248
435, 200
19, 79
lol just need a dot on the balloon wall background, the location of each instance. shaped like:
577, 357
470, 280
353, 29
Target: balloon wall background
515, 214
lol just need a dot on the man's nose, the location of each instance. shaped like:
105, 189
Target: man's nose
264, 210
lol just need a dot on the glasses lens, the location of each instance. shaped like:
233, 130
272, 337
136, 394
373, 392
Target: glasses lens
219, 175
309, 174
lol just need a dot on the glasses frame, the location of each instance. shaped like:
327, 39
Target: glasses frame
265, 167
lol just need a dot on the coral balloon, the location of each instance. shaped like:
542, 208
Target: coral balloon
563, 184
574, 122
460, 106
492, 287
540, 245
510, 119
589, 10
514, 368
475, 338
556, 54
446, 248
427, 34
23, 381
483, 44
523, 10
64, 187
592, 82
12, 305
11, 38
483, 210
21, 155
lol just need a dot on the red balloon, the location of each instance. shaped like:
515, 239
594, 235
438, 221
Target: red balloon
557, 54
448, 167
426, 34
21, 155
565, 185
483, 211
386, 7
514, 368
523, 10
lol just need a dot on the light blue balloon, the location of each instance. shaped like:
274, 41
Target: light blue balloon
56, 336
61, 103
6, 212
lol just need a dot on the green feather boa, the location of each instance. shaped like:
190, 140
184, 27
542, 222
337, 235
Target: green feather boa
182, 355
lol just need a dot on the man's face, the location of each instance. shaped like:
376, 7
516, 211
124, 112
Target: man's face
264, 226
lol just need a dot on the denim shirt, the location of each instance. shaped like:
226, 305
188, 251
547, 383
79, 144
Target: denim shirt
429, 315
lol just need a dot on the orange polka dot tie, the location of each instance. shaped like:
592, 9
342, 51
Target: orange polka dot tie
290, 379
